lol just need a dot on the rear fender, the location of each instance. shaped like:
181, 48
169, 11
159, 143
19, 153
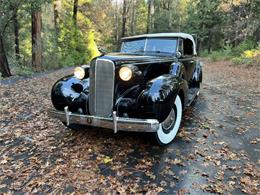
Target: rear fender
178, 70
197, 75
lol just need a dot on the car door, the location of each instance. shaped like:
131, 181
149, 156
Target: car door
185, 47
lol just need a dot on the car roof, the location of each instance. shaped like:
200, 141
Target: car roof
166, 35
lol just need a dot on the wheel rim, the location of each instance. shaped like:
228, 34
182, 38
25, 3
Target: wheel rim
169, 122
165, 136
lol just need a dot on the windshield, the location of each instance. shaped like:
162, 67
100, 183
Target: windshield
155, 45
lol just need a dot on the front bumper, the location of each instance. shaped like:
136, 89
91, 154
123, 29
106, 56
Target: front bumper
115, 123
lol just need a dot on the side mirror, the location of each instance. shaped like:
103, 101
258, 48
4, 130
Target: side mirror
178, 54
102, 50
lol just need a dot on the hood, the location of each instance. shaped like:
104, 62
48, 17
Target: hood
123, 58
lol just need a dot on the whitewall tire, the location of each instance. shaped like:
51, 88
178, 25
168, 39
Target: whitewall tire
170, 126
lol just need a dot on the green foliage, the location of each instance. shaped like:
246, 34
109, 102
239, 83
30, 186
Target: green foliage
72, 44
7, 10
23, 70
102, 20
244, 54
247, 61
250, 57
245, 45
204, 19
35, 5
225, 29
141, 14
51, 55
224, 54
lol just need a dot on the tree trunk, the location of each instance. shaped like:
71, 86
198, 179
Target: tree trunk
124, 16
148, 17
209, 41
75, 11
4, 66
16, 34
117, 27
36, 40
133, 18
56, 10
257, 33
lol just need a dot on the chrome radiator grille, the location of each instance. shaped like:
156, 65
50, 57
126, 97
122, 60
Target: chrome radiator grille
101, 91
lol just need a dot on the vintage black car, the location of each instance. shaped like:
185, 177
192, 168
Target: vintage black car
145, 87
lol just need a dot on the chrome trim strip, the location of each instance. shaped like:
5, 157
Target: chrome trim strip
92, 80
122, 124
95, 93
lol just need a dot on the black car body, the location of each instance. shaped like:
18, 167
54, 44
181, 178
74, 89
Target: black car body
145, 87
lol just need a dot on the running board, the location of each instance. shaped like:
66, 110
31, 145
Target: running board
193, 93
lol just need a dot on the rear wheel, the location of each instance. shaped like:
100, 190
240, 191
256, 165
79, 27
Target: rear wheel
169, 127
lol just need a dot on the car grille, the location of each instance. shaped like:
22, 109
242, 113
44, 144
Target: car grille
101, 91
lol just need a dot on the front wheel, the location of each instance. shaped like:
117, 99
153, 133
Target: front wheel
170, 126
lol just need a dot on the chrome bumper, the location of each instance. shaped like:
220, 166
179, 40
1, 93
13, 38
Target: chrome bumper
115, 123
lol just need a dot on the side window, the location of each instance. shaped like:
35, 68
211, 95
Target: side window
187, 47
180, 46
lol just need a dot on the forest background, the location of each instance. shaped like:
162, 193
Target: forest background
38, 35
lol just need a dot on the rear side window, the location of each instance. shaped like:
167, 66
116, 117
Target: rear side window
187, 47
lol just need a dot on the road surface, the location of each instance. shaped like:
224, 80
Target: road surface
216, 151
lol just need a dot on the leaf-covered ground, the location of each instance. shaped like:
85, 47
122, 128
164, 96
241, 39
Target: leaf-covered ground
216, 151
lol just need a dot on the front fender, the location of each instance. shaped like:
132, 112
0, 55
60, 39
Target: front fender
159, 96
72, 92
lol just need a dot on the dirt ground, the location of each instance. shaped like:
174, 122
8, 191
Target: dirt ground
217, 149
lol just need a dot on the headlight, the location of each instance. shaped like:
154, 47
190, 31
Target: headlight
125, 73
79, 72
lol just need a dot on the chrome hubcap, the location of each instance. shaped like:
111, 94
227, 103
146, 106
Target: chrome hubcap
169, 122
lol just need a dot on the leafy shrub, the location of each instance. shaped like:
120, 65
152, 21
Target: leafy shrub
245, 45
72, 44
245, 53
53, 61
216, 56
23, 70
225, 54
249, 57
